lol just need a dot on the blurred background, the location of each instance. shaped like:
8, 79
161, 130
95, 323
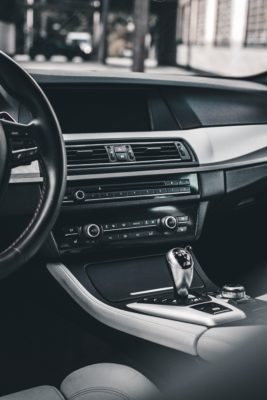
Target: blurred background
222, 37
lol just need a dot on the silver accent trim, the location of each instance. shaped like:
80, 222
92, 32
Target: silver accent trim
174, 334
190, 315
89, 234
151, 291
166, 222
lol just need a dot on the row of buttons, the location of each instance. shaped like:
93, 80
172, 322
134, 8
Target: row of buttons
179, 182
128, 225
171, 301
133, 193
131, 235
24, 156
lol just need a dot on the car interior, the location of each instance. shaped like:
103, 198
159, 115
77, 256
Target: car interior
132, 229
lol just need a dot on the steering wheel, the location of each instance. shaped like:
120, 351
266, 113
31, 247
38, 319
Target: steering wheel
47, 147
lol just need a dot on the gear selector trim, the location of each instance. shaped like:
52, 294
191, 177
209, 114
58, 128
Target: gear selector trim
190, 314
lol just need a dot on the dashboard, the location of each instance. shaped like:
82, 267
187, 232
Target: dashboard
146, 155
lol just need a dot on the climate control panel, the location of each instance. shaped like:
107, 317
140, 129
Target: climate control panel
74, 236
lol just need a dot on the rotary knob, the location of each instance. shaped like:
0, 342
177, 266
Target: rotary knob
169, 223
79, 196
92, 231
233, 292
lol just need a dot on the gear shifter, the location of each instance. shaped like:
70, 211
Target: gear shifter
181, 267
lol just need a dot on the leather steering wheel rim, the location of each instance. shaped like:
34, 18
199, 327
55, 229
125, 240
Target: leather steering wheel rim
52, 160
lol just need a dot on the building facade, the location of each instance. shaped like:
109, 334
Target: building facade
227, 37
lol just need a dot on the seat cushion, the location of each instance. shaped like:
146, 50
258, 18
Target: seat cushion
107, 382
38, 393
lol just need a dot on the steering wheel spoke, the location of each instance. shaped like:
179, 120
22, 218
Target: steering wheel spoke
21, 137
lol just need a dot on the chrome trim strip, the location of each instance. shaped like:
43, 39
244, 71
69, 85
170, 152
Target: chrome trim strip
189, 314
151, 291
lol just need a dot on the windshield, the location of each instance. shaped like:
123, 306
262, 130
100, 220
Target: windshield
220, 37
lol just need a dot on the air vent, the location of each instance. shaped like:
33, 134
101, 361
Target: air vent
160, 152
84, 155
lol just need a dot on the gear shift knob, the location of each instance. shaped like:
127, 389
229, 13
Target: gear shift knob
181, 266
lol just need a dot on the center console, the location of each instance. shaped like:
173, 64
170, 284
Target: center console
112, 238
162, 209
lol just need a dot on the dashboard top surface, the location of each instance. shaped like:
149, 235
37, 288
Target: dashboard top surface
57, 76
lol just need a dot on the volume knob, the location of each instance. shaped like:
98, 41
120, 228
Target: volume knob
169, 222
79, 195
92, 231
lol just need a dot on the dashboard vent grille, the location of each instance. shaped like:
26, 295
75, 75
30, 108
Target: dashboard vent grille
156, 151
86, 155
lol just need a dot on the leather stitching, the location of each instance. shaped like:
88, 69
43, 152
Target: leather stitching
40, 203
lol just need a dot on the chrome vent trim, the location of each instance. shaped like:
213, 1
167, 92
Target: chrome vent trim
83, 156
156, 151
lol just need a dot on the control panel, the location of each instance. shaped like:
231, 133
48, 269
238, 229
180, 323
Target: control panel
180, 185
158, 228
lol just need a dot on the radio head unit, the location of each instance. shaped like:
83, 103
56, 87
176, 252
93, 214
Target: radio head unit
179, 185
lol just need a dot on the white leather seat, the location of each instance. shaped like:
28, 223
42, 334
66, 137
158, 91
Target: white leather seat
95, 382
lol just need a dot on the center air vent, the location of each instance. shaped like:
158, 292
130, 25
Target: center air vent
158, 151
85, 156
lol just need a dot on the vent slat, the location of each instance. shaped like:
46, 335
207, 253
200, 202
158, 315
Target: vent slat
156, 151
84, 156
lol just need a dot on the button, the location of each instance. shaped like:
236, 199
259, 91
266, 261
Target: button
211, 308
145, 300
122, 225
182, 229
137, 224
183, 219
73, 240
184, 182
120, 149
184, 189
111, 238
149, 222
124, 236
152, 233
120, 194
121, 156
163, 301
172, 302
138, 235
71, 230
